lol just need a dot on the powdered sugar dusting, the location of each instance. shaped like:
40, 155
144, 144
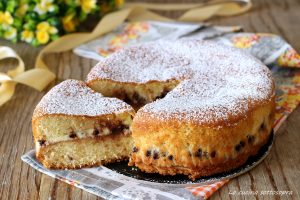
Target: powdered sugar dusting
72, 97
144, 63
217, 82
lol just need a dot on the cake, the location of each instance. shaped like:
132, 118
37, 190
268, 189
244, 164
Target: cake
202, 108
75, 127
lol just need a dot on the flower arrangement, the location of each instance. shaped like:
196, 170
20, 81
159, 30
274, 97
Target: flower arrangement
38, 22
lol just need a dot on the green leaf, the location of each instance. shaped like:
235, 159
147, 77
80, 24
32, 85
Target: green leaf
17, 23
54, 37
35, 42
10, 7
14, 40
30, 25
43, 17
31, 7
82, 16
2, 6
54, 21
56, 9
31, 15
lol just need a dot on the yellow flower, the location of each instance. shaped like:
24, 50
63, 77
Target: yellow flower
27, 36
44, 30
88, 5
69, 23
46, 27
44, 6
43, 26
6, 19
52, 30
11, 33
42, 37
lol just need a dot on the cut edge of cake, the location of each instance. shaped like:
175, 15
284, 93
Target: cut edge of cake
74, 126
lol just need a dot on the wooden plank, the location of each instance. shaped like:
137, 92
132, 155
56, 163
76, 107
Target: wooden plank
280, 171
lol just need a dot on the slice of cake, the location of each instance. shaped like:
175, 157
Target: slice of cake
73, 127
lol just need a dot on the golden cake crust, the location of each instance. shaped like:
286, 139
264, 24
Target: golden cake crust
200, 171
174, 146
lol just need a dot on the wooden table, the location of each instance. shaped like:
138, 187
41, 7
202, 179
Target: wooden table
280, 170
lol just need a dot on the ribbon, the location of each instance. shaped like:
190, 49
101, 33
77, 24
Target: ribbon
36, 78
41, 76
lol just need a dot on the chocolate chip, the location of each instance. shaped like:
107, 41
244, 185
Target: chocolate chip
198, 153
262, 127
163, 154
96, 132
148, 153
42, 142
155, 155
250, 138
135, 149
213, 154
73, 135
70, 158
170, 157
242, 143
238, 147
121, 94
137, 99
119, 128
126, 99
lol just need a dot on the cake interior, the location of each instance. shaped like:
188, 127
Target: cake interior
56, 128
137, 95
75, 141
86, 152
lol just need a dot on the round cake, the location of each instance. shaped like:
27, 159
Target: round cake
206, 107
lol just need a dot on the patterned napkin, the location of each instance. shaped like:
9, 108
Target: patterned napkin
277, 54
